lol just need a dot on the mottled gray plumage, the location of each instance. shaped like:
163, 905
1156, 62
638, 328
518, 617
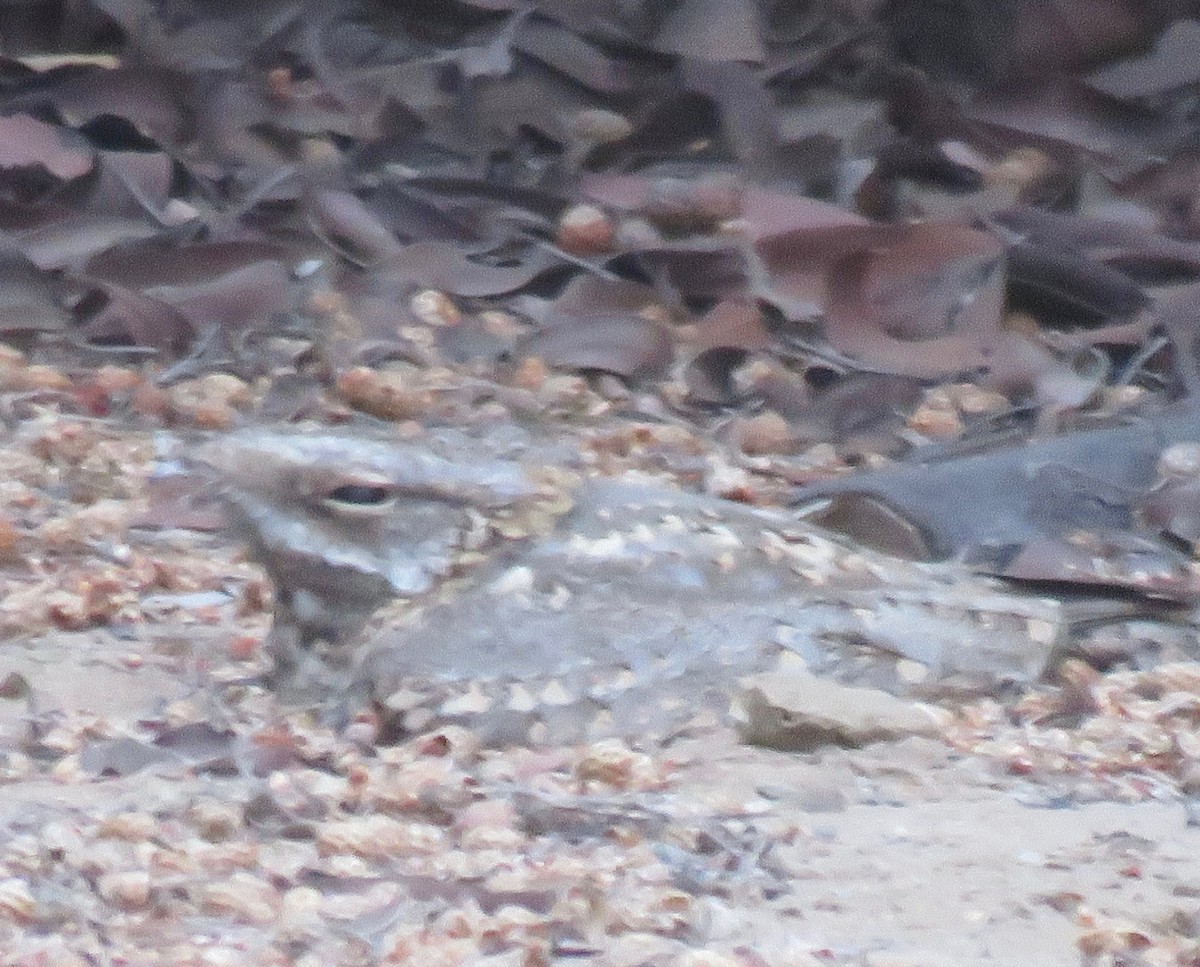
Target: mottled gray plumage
446, 582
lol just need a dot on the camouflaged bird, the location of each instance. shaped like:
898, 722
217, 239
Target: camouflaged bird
447, 579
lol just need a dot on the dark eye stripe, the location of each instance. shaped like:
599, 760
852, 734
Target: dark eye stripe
361, 495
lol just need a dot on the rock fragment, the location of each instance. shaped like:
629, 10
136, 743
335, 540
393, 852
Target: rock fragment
793, 710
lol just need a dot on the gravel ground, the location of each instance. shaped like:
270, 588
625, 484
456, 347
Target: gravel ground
153, 815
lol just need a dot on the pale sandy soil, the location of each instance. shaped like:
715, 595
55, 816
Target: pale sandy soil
149, 816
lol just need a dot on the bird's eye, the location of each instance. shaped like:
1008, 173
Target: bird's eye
360, 495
